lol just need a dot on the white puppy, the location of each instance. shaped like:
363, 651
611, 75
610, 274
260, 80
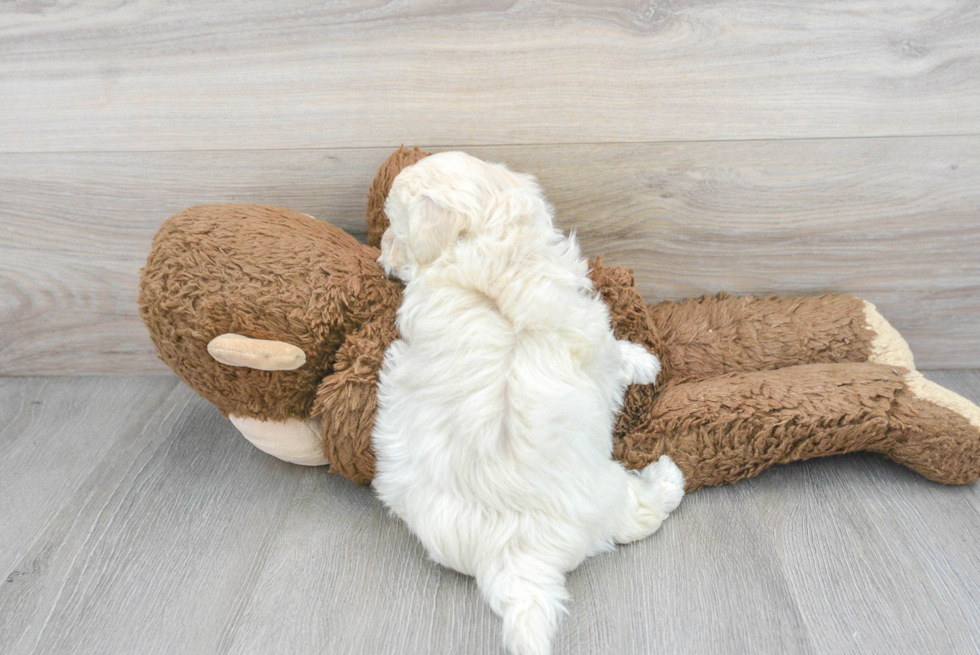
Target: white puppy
496, 407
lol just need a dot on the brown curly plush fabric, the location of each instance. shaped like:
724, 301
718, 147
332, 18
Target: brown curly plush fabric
746, 382
736, 425
267, 273
751, 382
377, 221
346, 400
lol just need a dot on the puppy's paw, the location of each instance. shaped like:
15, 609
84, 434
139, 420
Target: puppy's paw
654, 493
639, 366
666, 481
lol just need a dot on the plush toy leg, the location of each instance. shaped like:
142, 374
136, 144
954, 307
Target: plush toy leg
714, 335
293, 440
734, 426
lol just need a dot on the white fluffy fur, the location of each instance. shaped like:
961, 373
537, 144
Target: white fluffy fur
496, 408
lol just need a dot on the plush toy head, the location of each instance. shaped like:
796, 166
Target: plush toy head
267, 274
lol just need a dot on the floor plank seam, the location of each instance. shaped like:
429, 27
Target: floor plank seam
529, 144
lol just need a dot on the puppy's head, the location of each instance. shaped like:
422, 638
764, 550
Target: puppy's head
448, 196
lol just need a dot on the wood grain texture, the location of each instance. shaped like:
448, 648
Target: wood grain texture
161, 75
661, 592
710, 581
158, 548
44, 462
365, 587
867, 589
898, 565
173, 534
895, 220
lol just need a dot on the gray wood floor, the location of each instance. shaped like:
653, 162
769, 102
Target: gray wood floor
134, 520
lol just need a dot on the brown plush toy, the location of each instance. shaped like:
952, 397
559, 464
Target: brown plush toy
282, 321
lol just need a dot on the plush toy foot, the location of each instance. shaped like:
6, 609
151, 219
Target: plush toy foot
937, 433
887, 346
293, 440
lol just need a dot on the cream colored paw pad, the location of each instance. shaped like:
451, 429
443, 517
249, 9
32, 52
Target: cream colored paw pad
927, 390
887, 347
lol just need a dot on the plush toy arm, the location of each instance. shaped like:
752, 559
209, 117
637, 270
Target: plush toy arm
346, 400
734, 426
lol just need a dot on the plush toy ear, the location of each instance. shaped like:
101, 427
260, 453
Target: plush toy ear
260, 354
433, 227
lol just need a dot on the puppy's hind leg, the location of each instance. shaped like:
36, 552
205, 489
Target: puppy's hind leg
654, 493
529, 594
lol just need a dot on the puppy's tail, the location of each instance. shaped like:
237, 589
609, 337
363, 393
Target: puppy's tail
530, 596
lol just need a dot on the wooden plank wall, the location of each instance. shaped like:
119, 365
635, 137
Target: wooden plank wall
737, 145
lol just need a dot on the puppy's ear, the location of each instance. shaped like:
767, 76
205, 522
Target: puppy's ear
433, 227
